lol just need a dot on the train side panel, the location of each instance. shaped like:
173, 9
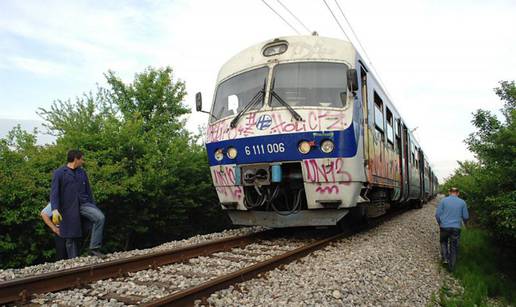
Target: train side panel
393, 162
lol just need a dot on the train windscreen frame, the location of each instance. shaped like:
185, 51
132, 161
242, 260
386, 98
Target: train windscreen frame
315, 84
234, 94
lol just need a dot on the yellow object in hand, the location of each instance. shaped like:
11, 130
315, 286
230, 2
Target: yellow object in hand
56, 217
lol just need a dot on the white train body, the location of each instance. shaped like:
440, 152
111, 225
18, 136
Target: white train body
260, 165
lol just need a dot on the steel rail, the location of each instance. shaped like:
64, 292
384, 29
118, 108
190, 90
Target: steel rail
188, 296
21, 289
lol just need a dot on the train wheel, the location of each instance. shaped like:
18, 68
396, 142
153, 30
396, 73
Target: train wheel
417, 204
356, 218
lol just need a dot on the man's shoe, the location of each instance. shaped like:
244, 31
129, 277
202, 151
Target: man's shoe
97, 253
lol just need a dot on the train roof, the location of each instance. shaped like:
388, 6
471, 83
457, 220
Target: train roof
300, 47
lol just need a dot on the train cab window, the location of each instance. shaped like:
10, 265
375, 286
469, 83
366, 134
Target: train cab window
315, 84
235, 93
390, 128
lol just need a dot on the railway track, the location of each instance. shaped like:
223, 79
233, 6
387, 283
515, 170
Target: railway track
177, 277
188, 296
21, 289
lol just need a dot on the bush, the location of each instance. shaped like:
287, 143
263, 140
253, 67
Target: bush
149, 175
484, 270
488, 184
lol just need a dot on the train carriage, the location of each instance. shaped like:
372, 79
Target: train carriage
300, 133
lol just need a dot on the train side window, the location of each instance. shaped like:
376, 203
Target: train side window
412, 156
390, 129
397, 133
416, 150
415, 156
378, 113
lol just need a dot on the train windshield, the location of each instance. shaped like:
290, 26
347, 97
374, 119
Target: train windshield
315, 84
235, 93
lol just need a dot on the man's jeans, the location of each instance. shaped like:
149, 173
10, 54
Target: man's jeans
97, 218
449, 238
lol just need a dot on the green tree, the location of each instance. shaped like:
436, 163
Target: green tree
24, 173
147, 171
149, 174
489, 183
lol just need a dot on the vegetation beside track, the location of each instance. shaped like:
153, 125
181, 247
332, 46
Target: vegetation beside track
488, 184
149, 175
486, 267
485, 271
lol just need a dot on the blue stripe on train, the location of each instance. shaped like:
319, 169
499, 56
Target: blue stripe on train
267, 148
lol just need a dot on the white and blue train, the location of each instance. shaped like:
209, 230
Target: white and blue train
302, 134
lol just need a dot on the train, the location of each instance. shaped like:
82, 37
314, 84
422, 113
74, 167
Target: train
301, 133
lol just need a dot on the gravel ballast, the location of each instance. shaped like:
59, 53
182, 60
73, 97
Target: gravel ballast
151, 284
394, 264
9, 274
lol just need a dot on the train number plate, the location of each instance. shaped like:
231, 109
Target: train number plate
262, 149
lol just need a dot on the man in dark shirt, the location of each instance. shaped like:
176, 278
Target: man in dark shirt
70, 198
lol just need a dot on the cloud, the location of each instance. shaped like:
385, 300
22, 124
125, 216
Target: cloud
39, 67
439, 60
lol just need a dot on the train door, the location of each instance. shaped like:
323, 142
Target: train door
421, 174
406, 158
430, 182
401, 158
365, 107
379, 169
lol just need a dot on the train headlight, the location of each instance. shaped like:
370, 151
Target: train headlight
327, 146
232, 152
304, 147
275, 48
219, 155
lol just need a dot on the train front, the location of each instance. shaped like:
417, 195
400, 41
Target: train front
284, 137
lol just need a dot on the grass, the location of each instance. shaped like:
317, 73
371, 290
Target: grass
484, 270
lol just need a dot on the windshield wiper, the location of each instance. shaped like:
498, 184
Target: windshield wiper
258, 97
283, 103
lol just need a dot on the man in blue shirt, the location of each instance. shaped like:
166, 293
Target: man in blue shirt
450, 214
46, 215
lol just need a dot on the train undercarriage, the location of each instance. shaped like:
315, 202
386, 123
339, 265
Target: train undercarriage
274, 196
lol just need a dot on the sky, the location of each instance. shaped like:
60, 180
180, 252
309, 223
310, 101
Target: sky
439, 60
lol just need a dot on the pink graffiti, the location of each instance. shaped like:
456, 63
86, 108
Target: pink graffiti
224, 177
313, 120
281, 126
222, 130
224, 181
328, 189
249, 124
326, 170
235, 191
